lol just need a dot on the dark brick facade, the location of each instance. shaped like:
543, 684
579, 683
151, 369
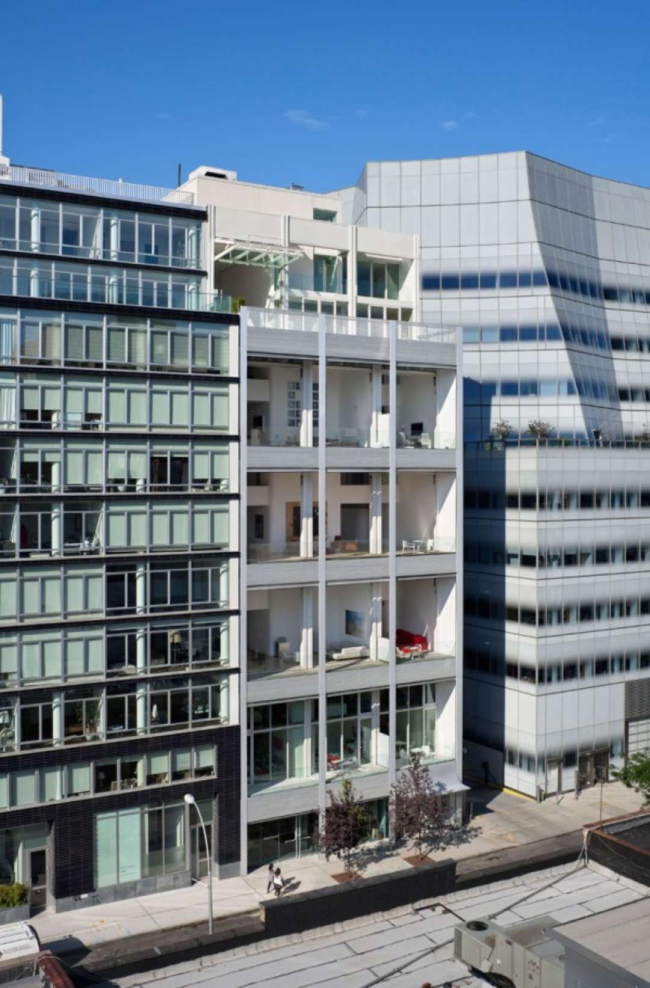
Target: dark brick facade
71, 851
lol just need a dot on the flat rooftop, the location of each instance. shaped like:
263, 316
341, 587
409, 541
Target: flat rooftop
635, 831
618, 938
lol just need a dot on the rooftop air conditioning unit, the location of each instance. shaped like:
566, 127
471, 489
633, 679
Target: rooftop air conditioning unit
523, 956
206, 171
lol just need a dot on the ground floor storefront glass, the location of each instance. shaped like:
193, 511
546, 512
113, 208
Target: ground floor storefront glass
143, 842
293, 836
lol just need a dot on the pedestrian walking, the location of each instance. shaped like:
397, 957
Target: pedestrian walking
269, 878
277, 883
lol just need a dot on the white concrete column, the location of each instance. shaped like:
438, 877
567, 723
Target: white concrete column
35, 229
375, 404
141, 588
56, 522
376, 535
141, 692
375, 621
307, 637
193, 252
307, 404
114, 238
307, 515
56, 477
57, 718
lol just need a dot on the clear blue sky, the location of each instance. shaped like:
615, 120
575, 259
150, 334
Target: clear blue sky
306, 92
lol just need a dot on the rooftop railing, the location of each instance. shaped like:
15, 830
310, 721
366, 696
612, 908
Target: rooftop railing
557, 442
116, 189
378, 329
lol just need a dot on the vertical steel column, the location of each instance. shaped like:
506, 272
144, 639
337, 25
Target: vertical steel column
243, 595
322, 597
392, 543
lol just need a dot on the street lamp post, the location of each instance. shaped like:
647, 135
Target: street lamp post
189, 799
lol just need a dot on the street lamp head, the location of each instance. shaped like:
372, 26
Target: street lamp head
189, 798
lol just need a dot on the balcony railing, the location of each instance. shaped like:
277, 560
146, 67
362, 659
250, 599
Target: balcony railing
116, 189
95, 253
417, 546
274, 437
418, 651
308, 322
93, 285
348, 437
267, 552
426, 440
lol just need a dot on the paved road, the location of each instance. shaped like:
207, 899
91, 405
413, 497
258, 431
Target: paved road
400, 949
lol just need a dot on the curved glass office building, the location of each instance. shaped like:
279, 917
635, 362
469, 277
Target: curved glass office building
548, 271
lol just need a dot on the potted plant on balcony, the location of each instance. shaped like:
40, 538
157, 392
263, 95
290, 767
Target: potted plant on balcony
500, 432
539, 429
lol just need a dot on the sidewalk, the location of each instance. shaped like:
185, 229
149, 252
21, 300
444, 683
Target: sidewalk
503, 820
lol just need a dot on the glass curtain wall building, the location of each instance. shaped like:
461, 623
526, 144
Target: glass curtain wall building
118, 575
548, 271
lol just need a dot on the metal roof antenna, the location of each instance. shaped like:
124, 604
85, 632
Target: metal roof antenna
3, 159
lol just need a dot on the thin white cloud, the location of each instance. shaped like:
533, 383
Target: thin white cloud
469, 115
449, 125
598, 121
303, 118
160, 115
362, 112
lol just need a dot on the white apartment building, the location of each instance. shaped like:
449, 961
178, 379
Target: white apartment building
350, 467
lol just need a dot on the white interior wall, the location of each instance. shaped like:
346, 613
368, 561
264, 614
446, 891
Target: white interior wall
417, 607
281, 617
445, 519
275, 410
445, 434
337, 495
445, 630
352, 597
446, 719
416, 506
349, 400
284, 488
416, 402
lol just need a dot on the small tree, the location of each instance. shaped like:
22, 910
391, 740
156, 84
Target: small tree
417, 808
539, 429
635, 774
345, 825
501, 429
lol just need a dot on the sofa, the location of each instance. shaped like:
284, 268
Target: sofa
342, 653
408, 643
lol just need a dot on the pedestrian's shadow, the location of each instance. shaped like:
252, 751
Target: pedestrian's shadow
291, 885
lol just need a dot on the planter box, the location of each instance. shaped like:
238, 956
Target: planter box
15, 914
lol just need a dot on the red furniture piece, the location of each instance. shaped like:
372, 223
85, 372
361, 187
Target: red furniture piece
405, 641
